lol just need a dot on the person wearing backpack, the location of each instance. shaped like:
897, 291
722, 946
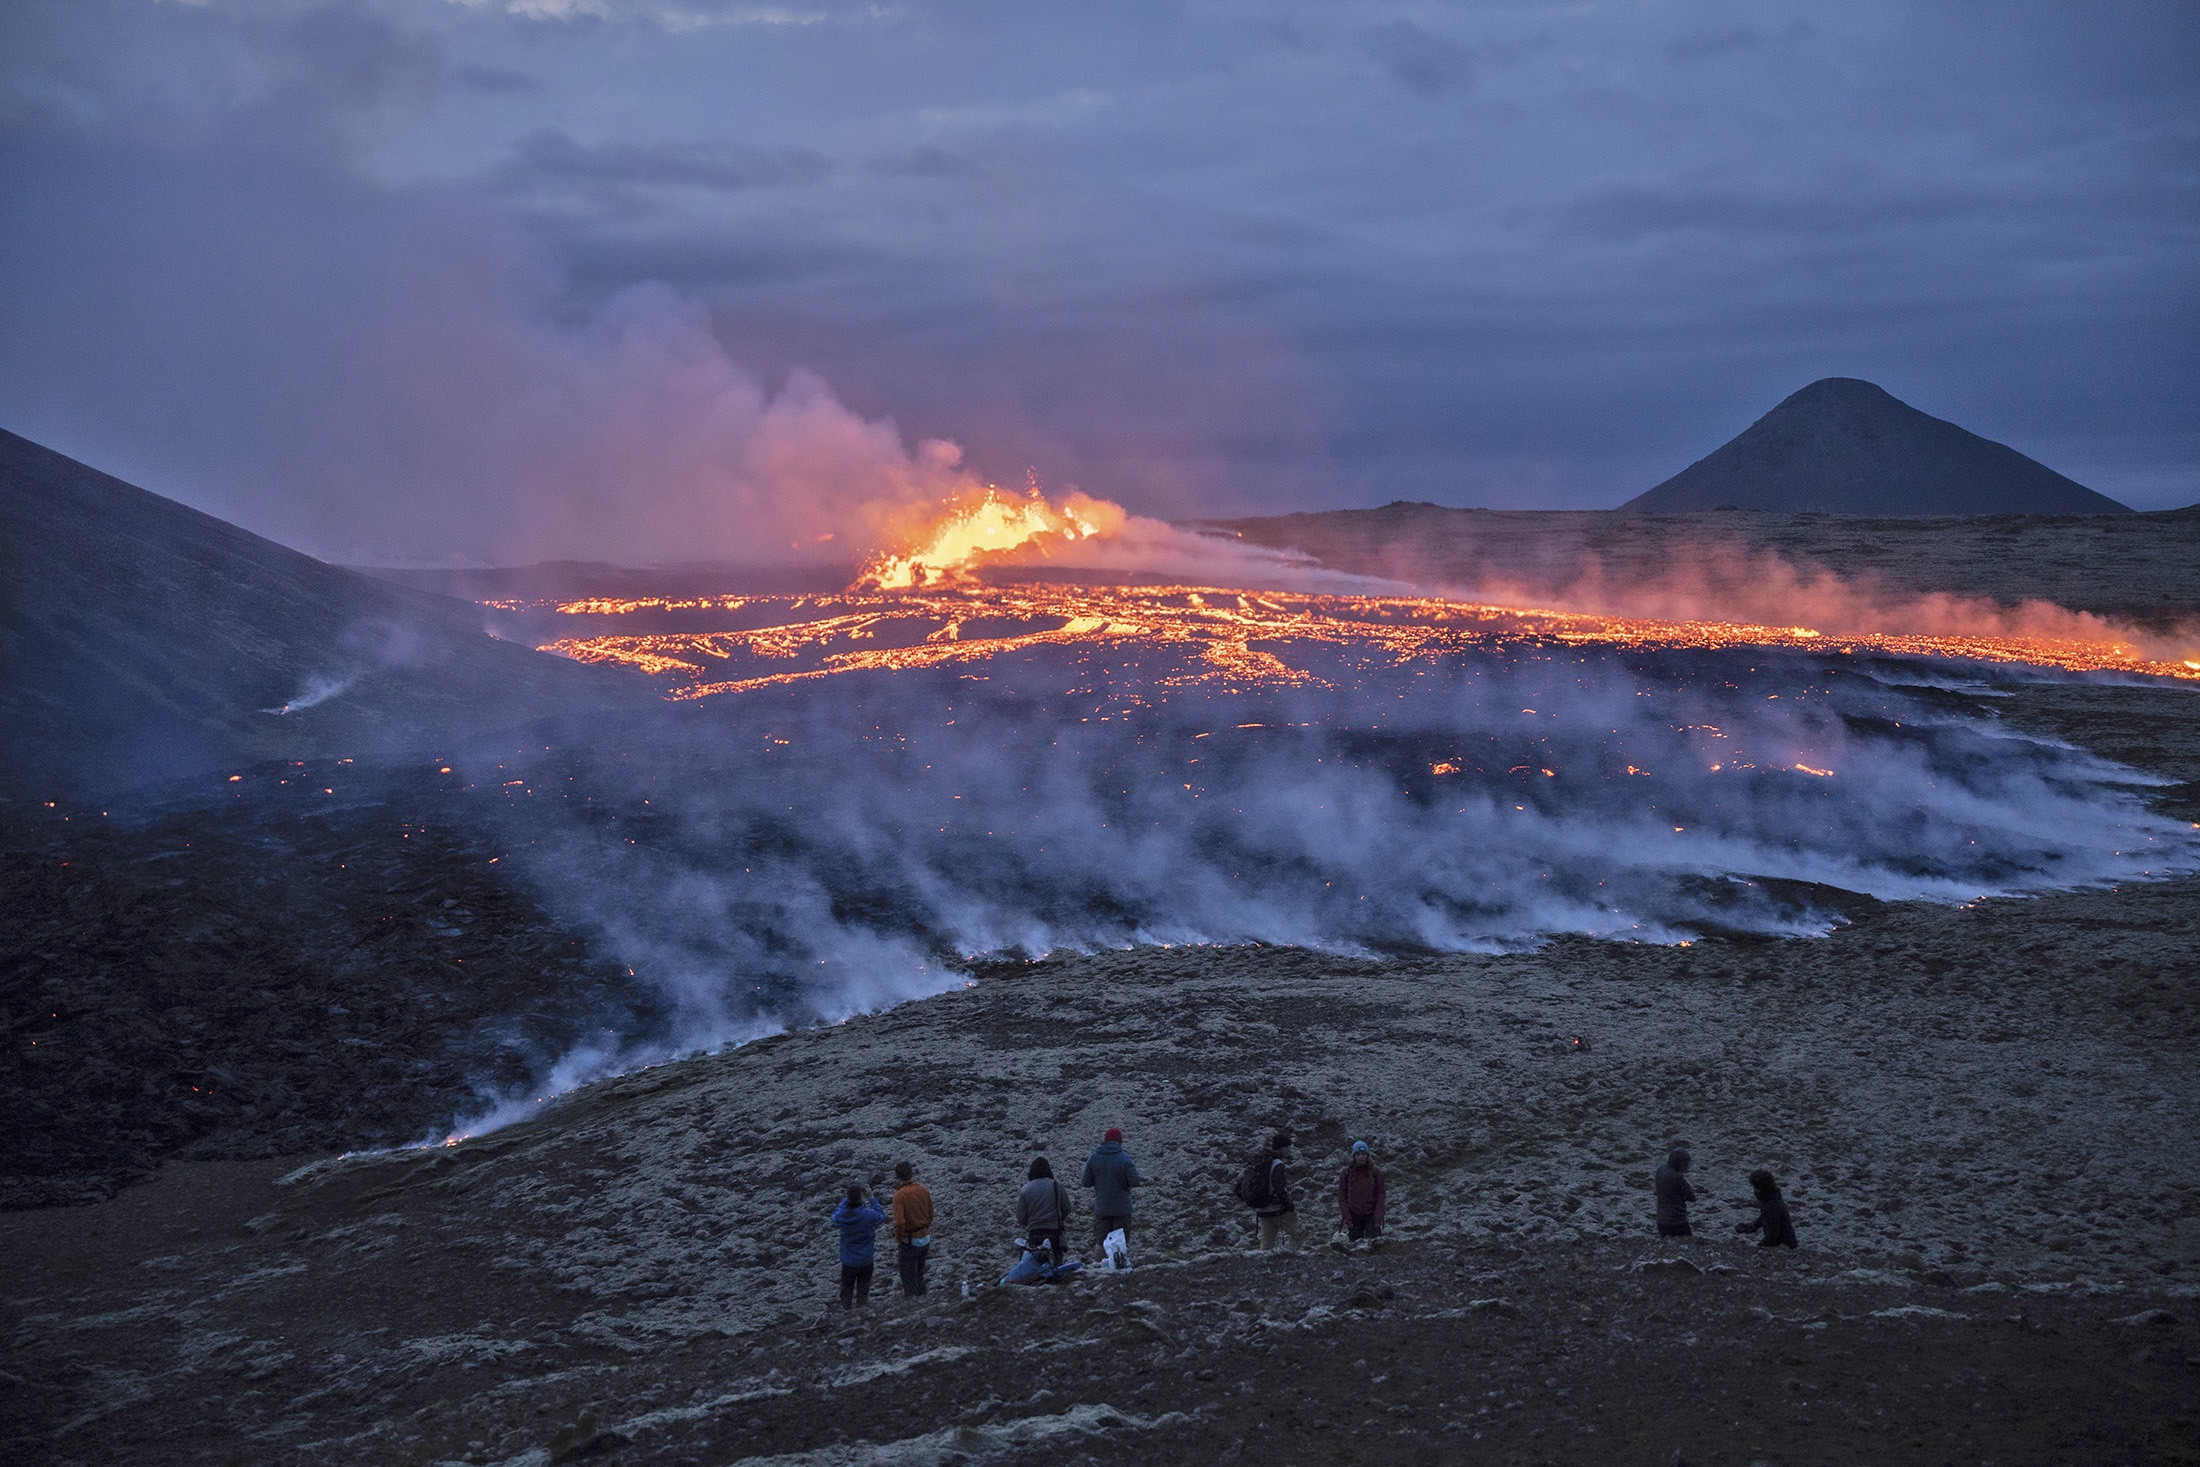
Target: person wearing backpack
1111, 1174
1360, 1195
1042, 1209
1265, 1186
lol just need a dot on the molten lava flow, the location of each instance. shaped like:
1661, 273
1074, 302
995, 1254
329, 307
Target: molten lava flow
989, 524
1161, 637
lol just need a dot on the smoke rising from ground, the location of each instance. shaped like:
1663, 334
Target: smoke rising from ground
780, 859
1713, 581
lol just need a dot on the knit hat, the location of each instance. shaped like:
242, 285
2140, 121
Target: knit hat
1115, 1133
1361, 1147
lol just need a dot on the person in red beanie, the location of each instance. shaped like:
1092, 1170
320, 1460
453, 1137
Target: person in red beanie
1111, 1174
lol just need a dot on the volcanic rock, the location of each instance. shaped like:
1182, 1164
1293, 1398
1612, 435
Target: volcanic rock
1843, 446
315, 957
142, 639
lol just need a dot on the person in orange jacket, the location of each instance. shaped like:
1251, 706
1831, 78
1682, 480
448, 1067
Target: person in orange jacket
912, 1215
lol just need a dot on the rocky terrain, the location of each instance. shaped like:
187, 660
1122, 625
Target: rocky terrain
1978, 1113
312, 956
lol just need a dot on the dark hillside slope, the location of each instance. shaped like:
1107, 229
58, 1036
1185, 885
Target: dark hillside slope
1842, 446
140, 639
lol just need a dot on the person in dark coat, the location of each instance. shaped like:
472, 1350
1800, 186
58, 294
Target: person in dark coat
1042, 1209
1278, 1215
1111, 1174
858, 1219
1772, 1213
1674, 1194
1360, 1194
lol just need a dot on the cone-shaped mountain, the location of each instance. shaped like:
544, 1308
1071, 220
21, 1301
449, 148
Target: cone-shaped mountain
1844, 446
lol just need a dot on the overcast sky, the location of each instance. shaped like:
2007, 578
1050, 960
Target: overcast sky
503, 278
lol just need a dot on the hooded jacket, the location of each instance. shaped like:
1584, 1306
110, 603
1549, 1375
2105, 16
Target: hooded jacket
1674, 1193
1360, 1192
1774, 1221
858, 1231
1111, 1174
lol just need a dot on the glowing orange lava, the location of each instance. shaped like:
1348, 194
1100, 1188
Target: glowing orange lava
1235, 640
989, 524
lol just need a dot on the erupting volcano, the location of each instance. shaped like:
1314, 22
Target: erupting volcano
987, 524
931, 602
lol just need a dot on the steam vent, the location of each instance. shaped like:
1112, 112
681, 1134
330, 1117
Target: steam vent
1844, 446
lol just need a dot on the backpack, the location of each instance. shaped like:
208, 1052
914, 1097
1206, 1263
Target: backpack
1252, 1183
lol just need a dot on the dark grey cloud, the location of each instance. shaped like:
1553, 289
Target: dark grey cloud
495, 81
1198, 259
922, 162
1424, 64
549, 156
1731, 40
353, 58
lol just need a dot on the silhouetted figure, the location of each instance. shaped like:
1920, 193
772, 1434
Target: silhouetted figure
1772, 1213
1360, 1194
912, 1213
1277, 1213
1674, 1194
858, 1219
1042, 1209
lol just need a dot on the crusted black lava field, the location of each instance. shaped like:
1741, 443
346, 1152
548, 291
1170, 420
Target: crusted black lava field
314, 957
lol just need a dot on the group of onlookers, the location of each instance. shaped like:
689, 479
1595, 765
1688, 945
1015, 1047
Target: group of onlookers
1043, 1209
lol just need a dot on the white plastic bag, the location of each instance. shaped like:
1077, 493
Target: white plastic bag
1118, 1251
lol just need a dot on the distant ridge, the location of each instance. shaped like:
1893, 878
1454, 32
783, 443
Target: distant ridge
1845, 446
563, 580
142, 640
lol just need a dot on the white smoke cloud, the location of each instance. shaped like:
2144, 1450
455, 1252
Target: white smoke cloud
317, 689
850, 844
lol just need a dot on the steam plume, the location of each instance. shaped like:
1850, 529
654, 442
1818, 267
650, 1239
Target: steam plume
836, 846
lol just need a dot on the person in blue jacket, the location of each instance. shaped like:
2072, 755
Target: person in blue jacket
858, 1219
